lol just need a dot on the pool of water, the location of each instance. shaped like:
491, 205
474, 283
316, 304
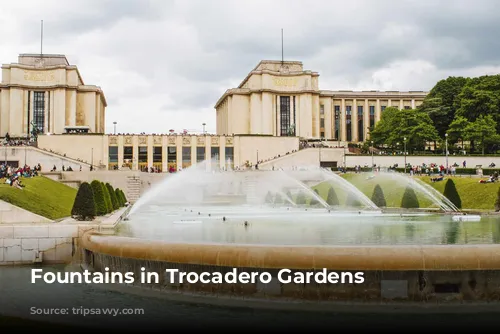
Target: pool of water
294, 226
19, 296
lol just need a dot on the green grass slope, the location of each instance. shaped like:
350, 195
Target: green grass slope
474, 195
42, 196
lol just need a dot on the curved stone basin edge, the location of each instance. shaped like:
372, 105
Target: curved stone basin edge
390, 257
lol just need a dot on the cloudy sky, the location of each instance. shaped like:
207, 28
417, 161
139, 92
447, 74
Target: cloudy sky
163, 64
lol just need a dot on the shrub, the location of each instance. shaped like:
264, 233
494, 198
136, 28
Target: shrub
313, 200
378, 197
269, 198
114, 201
497, 202
301, 198
450, 192
84, 205
278, 199
332, 198
100, 203
119, 198
123, 196
409, 200
352, 201
107, 198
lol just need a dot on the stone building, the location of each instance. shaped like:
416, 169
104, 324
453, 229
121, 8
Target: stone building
282, 99
46, 92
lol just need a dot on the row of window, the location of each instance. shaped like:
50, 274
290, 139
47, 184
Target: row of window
158, 156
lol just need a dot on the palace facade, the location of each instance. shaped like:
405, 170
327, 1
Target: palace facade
282, 99
47, 93
278, 105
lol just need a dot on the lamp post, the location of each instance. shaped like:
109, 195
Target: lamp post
319, 152
204, 124
114, 128
257, 156
92, 159
404, 139
446, 148
372, 156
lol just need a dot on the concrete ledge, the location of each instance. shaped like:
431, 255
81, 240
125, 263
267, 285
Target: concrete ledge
11, 214
395, 258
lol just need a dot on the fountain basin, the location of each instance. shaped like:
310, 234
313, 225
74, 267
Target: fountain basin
420, 275
467, 218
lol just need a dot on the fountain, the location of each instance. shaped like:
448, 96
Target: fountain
204, 221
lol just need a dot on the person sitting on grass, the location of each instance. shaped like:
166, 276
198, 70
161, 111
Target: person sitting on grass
437, 178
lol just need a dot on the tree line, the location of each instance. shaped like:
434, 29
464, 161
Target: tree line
466, 110
97, 199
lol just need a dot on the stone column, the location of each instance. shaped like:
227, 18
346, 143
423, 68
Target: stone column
413, 103
366, 119
377, 111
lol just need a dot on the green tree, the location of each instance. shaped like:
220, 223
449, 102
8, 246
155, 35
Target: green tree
269, 198
100, 204
313, 200
410, 200
441, 102
397, 124
450, 192
497, 202
456, 130
378, 197
301, 198
119, 198
352, 201
332, 198
123, 196
480, 97
278, 199
482, 131
114, 202
84, 206
107, 198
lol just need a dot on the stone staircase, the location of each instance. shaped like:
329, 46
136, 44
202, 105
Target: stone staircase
250, 189
133, 188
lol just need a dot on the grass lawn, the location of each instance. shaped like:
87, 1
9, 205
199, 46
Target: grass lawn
474, 195
41, 196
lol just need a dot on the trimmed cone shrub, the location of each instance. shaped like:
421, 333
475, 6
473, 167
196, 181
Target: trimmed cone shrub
107, 198
378, 197
269, 198
278, 199
332, 198
100, 203
301, 198
352, 201
410, 200
497, 202
124, 197
451, 193
84, 205
313, 200
119, 197
114, 201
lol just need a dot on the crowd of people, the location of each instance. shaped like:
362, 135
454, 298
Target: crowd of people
12, 175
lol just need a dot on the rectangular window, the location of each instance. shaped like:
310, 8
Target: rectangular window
215, 153
229, 157
348, 111
321, 122
382, 108
172, 158
39, 111
285, 116
143, 158
407, 107
158, 158
337, 122
322, 135
112, 157
322, 109
186, 156
128, 156
200, 154
360, 124
372, 117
